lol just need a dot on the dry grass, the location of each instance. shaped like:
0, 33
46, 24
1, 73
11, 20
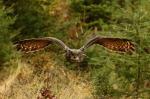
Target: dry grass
42, 72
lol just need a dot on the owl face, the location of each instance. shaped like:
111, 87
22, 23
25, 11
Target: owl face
75, 55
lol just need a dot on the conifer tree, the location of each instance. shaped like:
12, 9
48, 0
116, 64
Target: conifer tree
118, 75
32, 20
6, 34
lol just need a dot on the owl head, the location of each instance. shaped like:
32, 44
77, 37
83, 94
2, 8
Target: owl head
75, 55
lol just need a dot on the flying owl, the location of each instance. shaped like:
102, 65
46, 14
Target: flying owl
76, 55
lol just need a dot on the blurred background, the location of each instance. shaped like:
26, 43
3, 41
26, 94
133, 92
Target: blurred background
46, 75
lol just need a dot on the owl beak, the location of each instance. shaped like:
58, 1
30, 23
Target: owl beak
77, 58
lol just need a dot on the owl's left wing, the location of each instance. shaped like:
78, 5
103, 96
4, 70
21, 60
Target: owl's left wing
115, 44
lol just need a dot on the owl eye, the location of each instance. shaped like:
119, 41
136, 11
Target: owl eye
73, 57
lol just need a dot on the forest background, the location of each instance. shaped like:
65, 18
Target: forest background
108, 75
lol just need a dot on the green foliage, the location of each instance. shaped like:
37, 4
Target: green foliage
113, 75
95, 12
126, 74
6, 34
32, 19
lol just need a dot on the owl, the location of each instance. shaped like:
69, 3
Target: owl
76, 55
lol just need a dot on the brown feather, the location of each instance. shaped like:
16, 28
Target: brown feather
32, 44
116, 44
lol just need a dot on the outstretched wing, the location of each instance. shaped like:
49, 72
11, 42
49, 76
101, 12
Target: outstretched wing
115, 44
34, 44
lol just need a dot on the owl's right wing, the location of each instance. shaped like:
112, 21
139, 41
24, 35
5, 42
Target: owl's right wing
35, 44
114, 44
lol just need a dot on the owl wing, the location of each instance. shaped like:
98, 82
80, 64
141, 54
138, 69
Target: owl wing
35, 44
114, 44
